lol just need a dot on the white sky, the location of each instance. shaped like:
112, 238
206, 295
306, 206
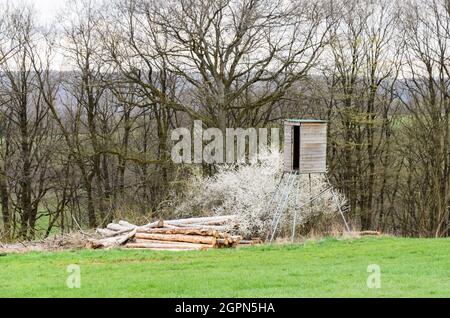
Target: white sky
47, 9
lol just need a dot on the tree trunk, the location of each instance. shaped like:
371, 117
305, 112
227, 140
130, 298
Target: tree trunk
4, 198
177, 238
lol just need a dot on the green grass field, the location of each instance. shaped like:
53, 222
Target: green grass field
327, 268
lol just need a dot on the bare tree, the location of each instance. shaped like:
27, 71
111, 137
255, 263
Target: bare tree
29, 135
236, 57
360, 69
426, 193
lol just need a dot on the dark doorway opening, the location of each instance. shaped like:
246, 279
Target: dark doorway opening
296, 146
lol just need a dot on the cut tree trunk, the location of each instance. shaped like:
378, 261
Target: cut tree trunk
157, 224
203, 220
127, 224
117, 227
168, 242
202, 226
111, 241
173, 245
111, 233
228, 241
185, 231
106, 232
177, 238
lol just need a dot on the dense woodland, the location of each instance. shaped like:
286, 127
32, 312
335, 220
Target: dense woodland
87, 104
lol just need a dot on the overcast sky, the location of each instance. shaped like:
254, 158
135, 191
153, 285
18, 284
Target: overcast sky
47, 9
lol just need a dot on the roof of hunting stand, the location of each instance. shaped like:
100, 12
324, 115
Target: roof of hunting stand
317, 121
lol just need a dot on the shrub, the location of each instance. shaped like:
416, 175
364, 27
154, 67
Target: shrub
249, 191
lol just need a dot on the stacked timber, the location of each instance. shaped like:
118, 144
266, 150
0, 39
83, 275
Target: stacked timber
176, 235
184, 238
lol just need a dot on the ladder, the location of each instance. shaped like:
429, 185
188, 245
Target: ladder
281, 199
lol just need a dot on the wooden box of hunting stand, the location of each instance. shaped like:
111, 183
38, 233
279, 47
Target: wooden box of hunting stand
305, 146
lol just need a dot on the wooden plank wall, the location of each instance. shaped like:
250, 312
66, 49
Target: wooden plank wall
287, 146
313, 147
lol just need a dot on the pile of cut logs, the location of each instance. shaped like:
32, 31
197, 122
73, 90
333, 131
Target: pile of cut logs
175, 235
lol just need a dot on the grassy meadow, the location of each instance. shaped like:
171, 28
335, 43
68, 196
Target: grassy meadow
325, 268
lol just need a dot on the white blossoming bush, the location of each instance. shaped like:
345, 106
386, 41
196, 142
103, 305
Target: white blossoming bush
248, 190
